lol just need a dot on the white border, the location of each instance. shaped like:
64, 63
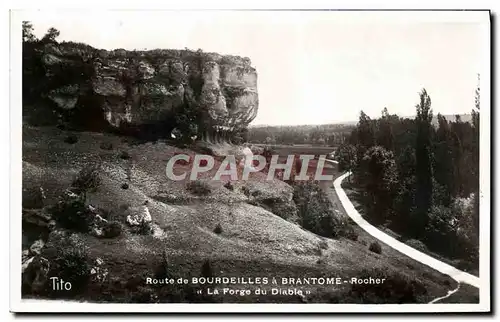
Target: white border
18, 305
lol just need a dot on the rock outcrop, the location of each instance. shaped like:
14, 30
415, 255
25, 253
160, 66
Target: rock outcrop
135, 88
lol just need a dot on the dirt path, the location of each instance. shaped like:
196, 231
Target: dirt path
456, 274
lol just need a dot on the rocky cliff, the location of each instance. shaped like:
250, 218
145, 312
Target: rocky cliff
127, 89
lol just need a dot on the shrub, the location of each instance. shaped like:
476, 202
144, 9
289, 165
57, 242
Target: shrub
88, 179
228, 185
417, 244
112, 229
347, 231
72, 265
144, 228
245, 191
351, 234
455, 225
278, 206
124, 155
106, 146
125, 185
33, 198
316, 212
323, 244
375, 247
396, 288
71, 139
218, 229
199, 188
206, 269
71, 213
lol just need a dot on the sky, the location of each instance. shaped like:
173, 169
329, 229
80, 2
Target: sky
313, 67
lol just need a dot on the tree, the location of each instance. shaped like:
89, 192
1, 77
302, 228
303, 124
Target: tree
366, 137
34, 79
424, 173
444, 168
51, 35
404, 201
28, 35
346, 156
384, 134
379, 179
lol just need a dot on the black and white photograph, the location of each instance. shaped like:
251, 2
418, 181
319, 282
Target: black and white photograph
320, 161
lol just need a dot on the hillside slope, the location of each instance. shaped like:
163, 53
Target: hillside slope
219, 234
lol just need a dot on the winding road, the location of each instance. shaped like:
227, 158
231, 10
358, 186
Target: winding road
456, 274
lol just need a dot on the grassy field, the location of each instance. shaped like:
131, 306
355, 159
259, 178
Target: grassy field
250, 241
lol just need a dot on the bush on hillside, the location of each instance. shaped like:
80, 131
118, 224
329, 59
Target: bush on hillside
349, 232
218, 229
316, 212
417, 244
228, 185
375, 247
72, 265
33, 198
106, 146
88, 179
199, 188
124, 155
71, 139
144, 228
71, 213
112, 229
206, 269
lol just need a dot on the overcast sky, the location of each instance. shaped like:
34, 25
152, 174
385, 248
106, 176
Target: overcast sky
313, 67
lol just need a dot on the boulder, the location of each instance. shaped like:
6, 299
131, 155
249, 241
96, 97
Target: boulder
158, 232
138, 215
98, 272
25, 255
36, 247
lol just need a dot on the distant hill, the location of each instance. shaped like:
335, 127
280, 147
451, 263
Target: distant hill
449, 117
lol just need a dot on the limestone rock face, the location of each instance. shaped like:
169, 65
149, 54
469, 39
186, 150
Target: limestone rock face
134, 88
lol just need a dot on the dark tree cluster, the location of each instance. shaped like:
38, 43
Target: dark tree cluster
419, 178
